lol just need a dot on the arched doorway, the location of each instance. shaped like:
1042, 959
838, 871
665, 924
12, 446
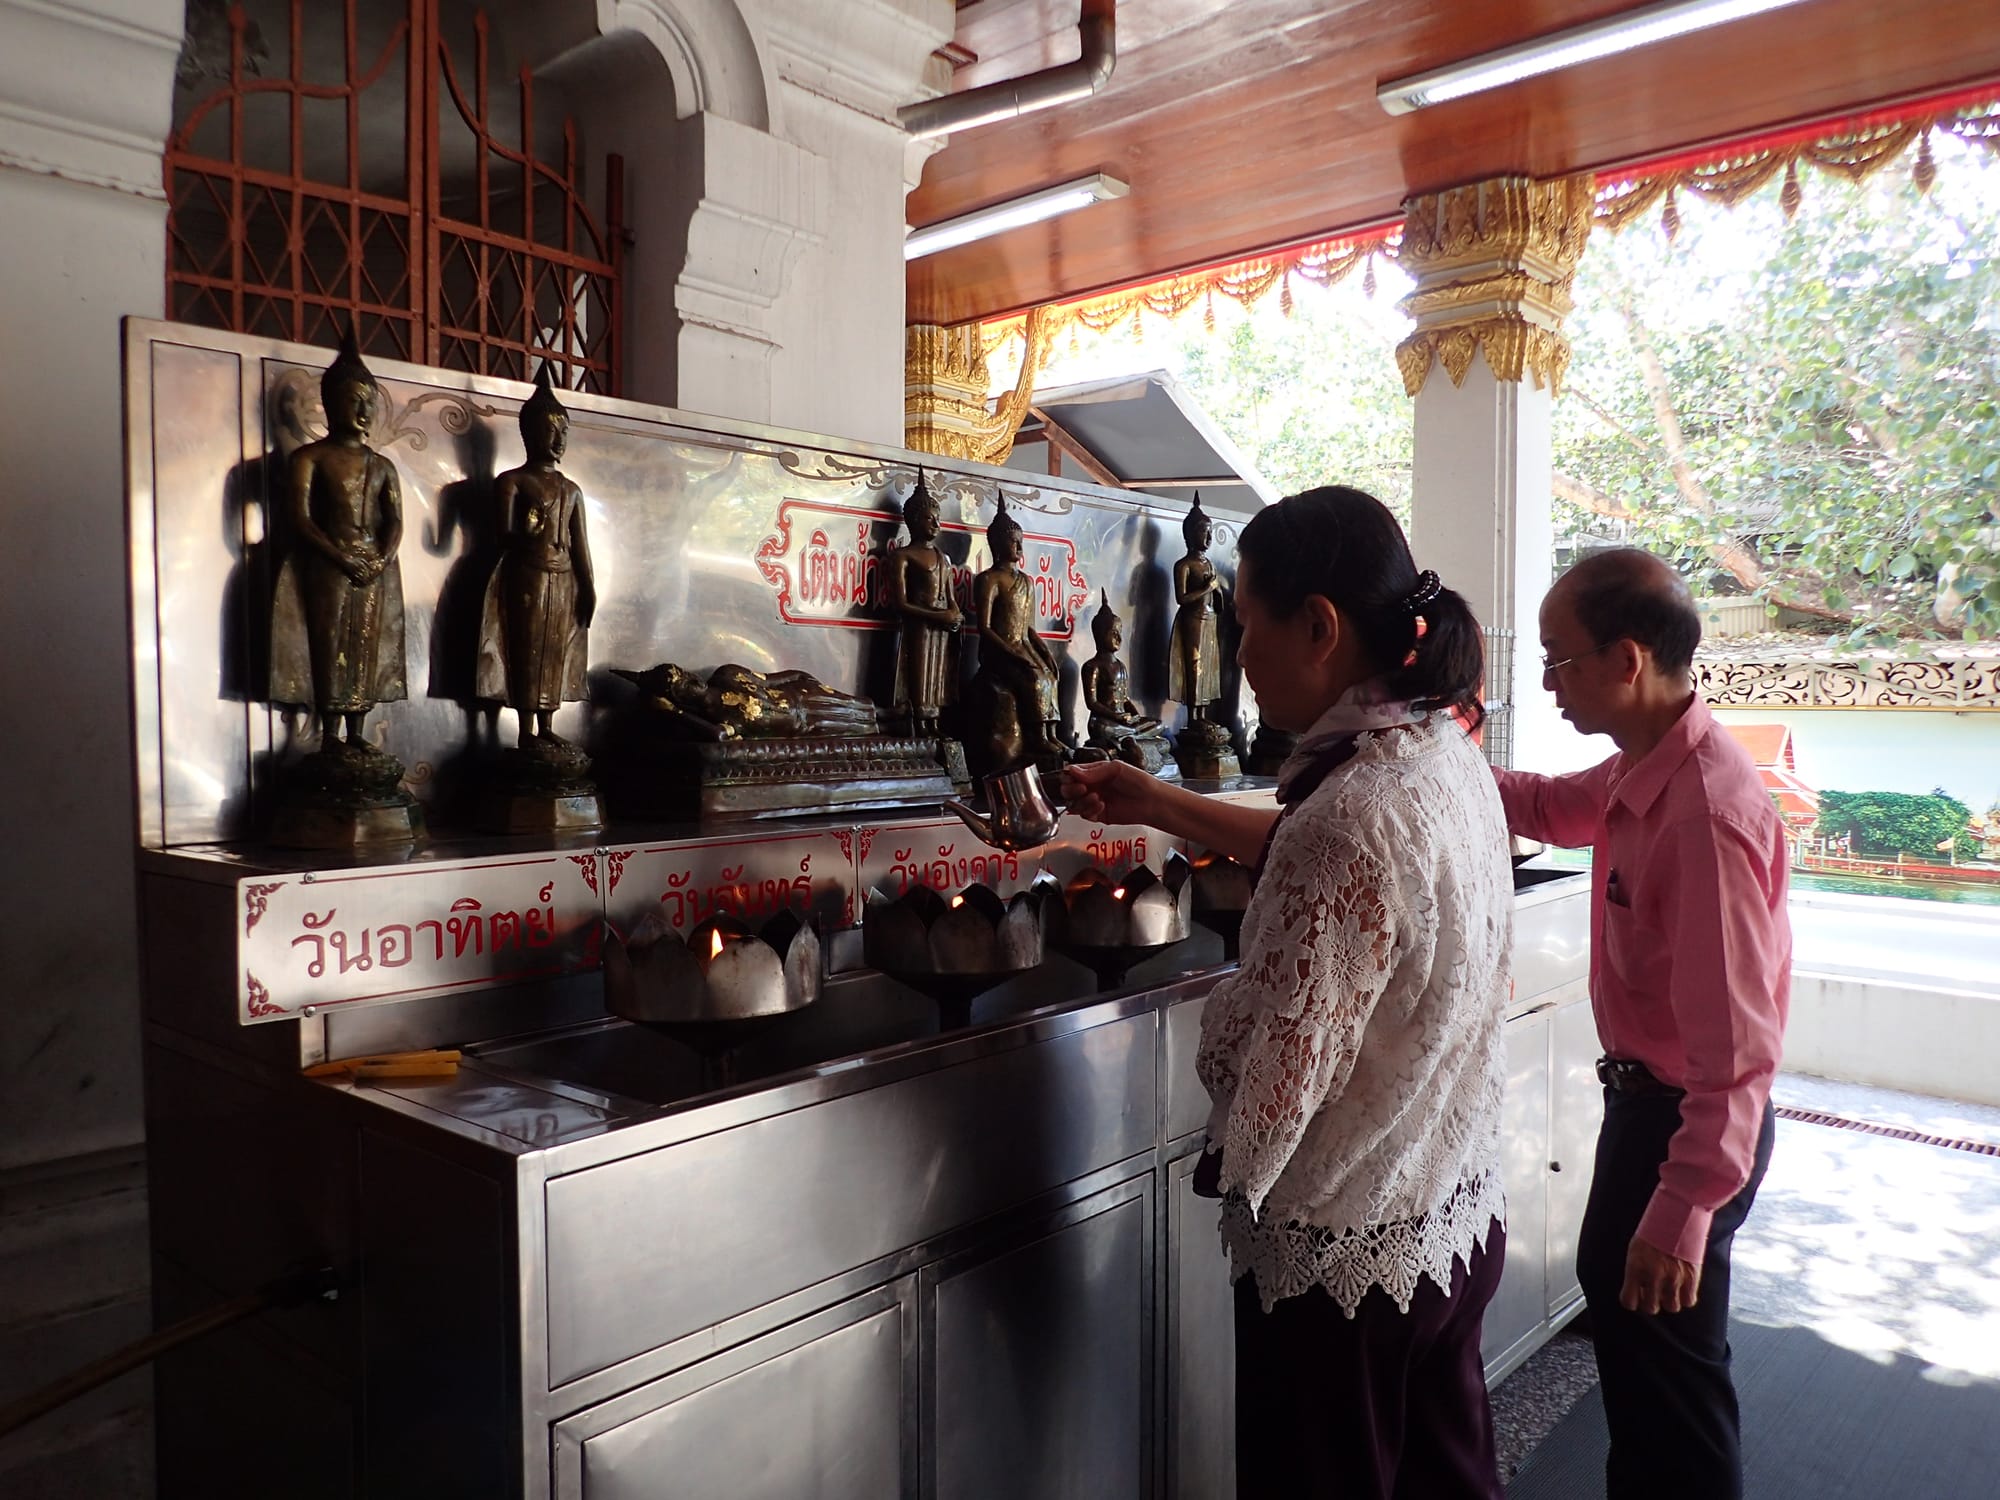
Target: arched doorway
391, 162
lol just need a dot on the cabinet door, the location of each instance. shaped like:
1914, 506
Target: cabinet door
813, 1411
1576, 1109
1041, 1353
1518, 1307
1201, 1346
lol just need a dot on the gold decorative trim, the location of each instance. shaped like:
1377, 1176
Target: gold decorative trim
1855, 154
1513, 346
945, 378
1494, 263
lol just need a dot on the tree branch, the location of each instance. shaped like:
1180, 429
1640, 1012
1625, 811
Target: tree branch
1564, 487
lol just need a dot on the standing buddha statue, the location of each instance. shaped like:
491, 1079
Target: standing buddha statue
337, 621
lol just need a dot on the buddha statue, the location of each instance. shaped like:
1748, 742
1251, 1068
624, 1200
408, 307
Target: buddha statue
920, 592
736, 703
1115, 723
533, 645
337, 615
1202, 746
1015, 707
337, 623
1196, 662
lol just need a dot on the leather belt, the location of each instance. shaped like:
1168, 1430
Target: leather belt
1624, 1075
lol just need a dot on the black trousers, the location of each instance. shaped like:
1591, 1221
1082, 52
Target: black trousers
1385, 1405
1669, 1400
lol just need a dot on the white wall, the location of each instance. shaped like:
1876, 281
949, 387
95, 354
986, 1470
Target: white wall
84, 98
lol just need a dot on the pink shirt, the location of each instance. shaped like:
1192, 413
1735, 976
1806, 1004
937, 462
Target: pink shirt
1690, 944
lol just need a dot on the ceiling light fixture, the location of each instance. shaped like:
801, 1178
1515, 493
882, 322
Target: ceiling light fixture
1564, 49
1064, 198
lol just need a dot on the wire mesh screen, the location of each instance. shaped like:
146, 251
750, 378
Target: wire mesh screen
1497, 738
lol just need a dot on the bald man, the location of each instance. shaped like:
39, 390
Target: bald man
1690, 975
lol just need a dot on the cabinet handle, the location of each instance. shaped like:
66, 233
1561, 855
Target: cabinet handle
1555, 1166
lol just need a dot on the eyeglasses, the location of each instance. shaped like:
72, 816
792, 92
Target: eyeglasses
1550, 668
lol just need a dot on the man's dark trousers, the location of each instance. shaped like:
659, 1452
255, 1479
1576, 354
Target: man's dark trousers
1668, 1398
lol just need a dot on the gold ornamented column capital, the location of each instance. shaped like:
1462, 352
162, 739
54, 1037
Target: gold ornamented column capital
1494, 263
944, 391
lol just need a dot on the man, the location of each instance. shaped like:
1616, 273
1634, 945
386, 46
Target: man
1690, 973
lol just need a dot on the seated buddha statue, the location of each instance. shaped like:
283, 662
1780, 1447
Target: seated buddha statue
1115, 721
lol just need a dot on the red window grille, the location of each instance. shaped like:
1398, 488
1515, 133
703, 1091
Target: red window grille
369, 173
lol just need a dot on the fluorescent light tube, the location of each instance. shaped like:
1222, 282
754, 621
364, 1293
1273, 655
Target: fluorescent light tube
1064, 198
1564, 49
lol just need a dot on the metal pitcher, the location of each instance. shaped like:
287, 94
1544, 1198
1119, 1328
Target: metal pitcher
1019, 815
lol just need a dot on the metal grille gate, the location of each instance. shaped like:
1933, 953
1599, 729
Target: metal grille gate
361, 174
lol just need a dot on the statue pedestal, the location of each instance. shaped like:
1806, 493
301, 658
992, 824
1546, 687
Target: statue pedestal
741, 780
542, 787
1270, 750
1205, 753
345, 797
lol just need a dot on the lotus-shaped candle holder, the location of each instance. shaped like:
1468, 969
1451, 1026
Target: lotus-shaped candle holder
719, 985
955, 948
1221, 896
1111, 922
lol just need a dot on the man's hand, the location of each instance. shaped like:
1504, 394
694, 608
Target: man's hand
1656, 1282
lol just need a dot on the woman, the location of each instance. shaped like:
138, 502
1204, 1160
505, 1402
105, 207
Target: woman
1354, 1060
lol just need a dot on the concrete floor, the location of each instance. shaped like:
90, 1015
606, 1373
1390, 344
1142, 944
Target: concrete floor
1884, 1247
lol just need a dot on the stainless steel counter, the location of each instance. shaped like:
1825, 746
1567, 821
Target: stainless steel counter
582, 1267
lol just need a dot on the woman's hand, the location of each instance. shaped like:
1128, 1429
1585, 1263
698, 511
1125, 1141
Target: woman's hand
1111, 791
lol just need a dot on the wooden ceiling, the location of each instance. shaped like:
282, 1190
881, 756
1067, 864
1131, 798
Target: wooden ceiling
1243, 125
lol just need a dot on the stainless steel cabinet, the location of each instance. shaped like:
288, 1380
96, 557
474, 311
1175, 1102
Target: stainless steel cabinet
814, 1411
1548, 1140
1201, 1346
1042, 1349
1514, 1317
1576, 1109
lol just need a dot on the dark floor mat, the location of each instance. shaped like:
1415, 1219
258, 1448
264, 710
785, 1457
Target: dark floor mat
1819, 1423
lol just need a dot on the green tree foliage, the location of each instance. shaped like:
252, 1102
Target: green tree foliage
1314, 398
1809, 411
1890, 823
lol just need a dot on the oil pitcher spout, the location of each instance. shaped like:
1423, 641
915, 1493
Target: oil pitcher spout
981, 828
1020, 816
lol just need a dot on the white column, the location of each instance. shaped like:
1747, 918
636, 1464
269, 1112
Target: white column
844, 67
1493, 264
85, 101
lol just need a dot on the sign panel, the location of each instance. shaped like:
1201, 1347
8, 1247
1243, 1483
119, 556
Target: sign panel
333, 938
829, 566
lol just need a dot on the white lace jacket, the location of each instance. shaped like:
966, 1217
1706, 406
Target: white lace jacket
1355, 1059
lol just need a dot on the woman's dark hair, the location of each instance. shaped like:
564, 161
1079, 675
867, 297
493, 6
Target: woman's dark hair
1343, 545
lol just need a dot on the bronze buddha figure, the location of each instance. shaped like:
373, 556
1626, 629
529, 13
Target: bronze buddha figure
1115, 722
1015, 708
736, 703
1196, 662
1202, 746
533, 642
337, 618
534, 630
920, 592
337, 622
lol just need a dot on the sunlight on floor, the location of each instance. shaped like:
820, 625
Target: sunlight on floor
1882, 1247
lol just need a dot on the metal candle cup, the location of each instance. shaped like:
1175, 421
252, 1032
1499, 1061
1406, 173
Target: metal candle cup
721, 972
1221, 896
954, 949
1110, 924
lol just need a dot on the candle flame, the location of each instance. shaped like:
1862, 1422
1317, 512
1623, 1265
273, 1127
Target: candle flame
715, 943
958, 900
